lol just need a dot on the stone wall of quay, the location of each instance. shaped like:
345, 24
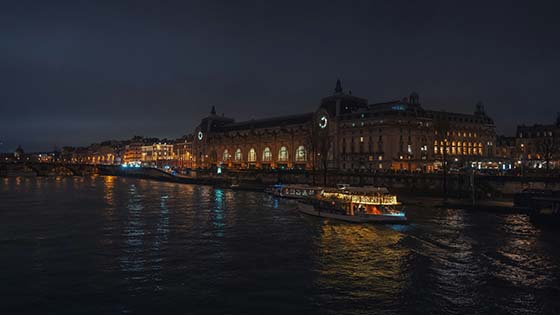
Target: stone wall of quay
433, 184
429, 184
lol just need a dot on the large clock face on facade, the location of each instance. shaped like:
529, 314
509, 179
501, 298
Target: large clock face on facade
200, 135
323, 121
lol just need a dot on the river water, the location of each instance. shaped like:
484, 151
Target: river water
110, 245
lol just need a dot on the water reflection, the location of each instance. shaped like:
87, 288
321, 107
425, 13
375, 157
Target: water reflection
521, 264
455, 269
160, 240
518, 256
361, 262
109, 187
133, 235
193, 247
218, 213
163, 224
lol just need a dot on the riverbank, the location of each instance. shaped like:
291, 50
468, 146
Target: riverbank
504, 205
421, 189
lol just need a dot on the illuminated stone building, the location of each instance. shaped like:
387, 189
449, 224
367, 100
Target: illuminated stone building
133, 153
466, 138
157, 154
182, 150
265, 143
538, 146
506, 149
106, 153
351, 135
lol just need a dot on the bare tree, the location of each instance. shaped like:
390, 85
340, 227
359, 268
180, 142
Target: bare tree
441, 127
320, 144
548, 147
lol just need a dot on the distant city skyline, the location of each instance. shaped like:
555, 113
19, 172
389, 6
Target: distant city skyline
74, 73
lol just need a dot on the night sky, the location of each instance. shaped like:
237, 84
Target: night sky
79, 72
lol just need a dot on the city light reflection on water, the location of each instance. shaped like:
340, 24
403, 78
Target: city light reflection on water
140, 246
109, 186
363, 263
218, 212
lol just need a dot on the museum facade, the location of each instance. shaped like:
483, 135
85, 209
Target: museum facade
347, 133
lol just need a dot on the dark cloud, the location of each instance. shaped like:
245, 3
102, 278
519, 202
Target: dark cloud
77, 72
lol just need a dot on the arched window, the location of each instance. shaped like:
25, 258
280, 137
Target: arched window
252, 155
225, 156
267, 155
238, 156
283, 154
301, 155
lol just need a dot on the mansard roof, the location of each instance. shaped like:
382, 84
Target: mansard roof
460, 117
272, 122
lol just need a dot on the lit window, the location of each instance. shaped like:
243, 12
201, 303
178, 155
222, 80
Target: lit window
267, 155
283, 154
252, 155
238, 156
301, 155
361, 139
225, 156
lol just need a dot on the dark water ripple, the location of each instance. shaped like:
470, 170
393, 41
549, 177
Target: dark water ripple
124, 246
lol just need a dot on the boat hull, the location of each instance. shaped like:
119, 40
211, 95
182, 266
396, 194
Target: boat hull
310, 210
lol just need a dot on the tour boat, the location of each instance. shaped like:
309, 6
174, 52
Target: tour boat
295, 191
355, 204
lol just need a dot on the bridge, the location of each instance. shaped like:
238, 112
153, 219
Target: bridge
47, 169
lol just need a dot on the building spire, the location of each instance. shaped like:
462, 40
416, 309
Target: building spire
338, 88
213, 111
480, 109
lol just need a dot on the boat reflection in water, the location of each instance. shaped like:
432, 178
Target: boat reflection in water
355, 204
361, 263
